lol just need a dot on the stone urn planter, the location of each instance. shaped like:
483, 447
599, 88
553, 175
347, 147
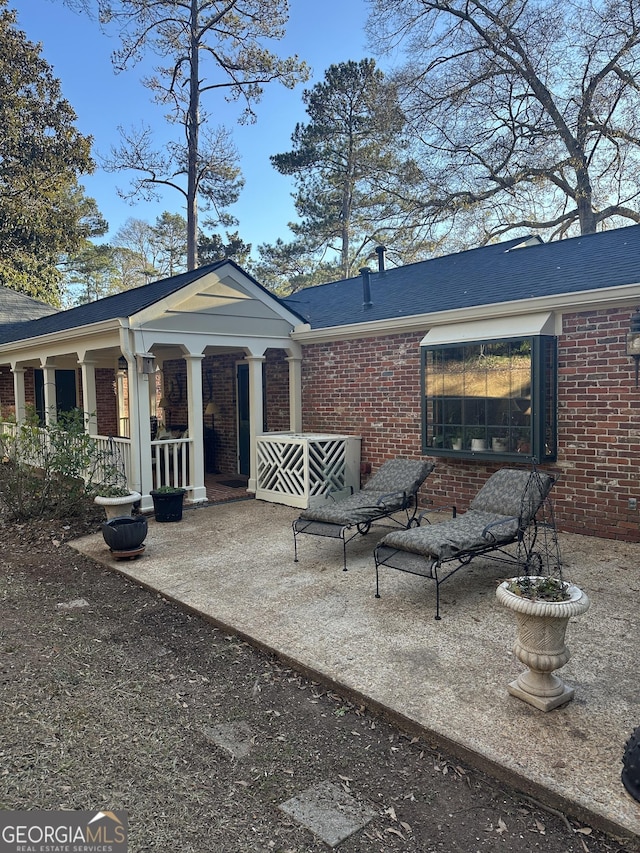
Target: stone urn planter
540, 642
118, 505
125, 535
167, 503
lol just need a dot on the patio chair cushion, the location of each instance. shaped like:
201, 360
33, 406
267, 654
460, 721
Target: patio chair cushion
448, 538
386, 492
511, 491
355, 509
399, 475
506, 503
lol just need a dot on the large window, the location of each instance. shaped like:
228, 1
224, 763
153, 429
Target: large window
491, 398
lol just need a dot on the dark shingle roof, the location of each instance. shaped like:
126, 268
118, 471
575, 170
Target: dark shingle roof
123, 304
16, 307
485, 276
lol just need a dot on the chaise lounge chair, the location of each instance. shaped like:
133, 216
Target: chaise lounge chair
503, 513
392, 489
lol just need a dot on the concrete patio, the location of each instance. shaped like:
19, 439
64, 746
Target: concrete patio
447, 680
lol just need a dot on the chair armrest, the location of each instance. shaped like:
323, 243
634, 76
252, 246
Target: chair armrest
487, 532
395, 495
445, 508
329, 495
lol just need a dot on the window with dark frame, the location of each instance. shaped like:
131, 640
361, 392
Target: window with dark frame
491, 398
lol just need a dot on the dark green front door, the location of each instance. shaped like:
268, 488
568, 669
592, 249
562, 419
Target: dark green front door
65, 391
244, 435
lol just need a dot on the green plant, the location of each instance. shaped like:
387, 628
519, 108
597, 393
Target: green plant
54, 470
169, 490
112, 491
540, 588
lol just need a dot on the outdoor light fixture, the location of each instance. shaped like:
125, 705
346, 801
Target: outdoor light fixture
122, 363
633, 340
212, 409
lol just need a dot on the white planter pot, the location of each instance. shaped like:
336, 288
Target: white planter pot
478, 444
115, 507
540, 645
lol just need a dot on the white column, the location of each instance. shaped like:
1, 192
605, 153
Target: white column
295, 393
50, 397
256, 415
89, 398
140, 424
19, 393
196, 433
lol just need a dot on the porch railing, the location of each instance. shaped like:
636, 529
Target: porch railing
170, 462
111, 453
117, 450
169, 458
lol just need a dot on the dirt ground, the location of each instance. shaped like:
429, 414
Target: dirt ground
114, 698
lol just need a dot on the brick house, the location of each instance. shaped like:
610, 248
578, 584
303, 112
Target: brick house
480, 359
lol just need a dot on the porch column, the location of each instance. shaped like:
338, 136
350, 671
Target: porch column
19, 395
196, 432
295, 393
140, 437
50, 397
257, 414
89, 398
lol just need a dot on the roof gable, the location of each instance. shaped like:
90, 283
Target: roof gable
149, 300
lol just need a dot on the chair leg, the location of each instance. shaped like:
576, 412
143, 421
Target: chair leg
435, 577
295, 545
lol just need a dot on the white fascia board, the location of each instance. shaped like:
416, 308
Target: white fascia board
63, 341
625, 295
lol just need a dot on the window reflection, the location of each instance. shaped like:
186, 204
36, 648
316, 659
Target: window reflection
479, 397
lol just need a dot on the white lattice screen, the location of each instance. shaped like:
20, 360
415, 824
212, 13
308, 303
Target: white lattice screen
298, 469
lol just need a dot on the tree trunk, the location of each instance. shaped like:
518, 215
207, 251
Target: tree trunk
193, 127
584, 200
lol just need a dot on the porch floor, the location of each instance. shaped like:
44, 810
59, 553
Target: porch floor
225, 487
446, 681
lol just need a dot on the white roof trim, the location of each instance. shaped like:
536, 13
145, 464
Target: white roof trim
522, 326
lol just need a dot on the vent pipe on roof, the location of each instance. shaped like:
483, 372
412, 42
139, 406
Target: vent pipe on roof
365, 272
381, 252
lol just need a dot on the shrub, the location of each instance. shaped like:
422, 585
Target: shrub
53, 471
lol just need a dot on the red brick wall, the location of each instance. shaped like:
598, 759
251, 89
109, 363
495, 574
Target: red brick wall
106, 400
7, 402
599, 426
276, 381
371, 388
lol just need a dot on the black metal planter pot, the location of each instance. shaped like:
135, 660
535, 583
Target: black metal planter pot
167, 506
631, 761
125, 534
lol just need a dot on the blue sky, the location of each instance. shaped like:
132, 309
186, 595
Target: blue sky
321, 32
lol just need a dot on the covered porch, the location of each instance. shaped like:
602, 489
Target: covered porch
178, 377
